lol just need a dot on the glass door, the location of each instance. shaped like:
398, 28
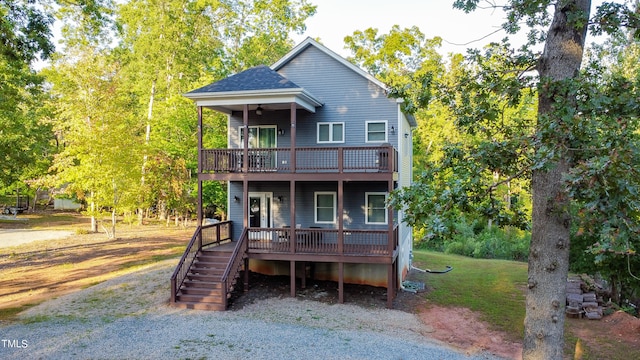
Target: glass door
260, 215
261, 137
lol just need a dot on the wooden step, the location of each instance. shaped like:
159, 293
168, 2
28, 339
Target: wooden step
199, 306
207, 270
213, 259
190, 284
203, 277
200, 291
202, 287
209, 264
210, 299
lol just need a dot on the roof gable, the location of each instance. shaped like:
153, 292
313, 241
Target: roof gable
311, 42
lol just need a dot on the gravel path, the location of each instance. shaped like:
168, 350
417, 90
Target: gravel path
128, 318
13, 237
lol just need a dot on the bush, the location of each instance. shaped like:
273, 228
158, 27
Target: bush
473, 239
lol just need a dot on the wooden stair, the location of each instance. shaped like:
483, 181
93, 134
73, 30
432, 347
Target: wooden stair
202, 288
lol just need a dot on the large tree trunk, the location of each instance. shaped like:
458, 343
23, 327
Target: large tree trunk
549, 251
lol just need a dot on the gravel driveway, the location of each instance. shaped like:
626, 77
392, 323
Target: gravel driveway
128, 317
13, 237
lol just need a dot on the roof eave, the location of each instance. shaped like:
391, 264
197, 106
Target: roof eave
220, 101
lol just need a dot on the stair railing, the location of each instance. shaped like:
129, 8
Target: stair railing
200, 239
233, 267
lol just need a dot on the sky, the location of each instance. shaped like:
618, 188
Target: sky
335, 19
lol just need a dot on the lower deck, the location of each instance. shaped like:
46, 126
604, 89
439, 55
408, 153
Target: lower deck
356, 256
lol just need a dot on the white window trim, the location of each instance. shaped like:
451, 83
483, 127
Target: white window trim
331, 141
386, 131
315, 206
366, 209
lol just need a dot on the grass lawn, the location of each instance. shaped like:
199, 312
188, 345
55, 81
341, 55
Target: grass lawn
496, 290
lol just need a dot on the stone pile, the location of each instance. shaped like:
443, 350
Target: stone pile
582, 304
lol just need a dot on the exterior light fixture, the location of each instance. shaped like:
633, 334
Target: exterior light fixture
259, 110
393, 130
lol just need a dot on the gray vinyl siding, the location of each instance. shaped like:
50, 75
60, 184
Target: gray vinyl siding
354, 202
347, 97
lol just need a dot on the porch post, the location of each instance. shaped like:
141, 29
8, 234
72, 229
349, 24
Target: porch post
340, 217
245, 132
293, 137
200, 166
391, 242
390, 284
245, 203
341, 282
292, 216
293, 278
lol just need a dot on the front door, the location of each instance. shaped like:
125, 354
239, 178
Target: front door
260, 214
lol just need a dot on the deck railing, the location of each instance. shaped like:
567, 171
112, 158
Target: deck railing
204, 236
323, 241
233, 268
308, 160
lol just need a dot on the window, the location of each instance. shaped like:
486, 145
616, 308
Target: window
325, 207
331, 132
376, 208
376, 131
259, 137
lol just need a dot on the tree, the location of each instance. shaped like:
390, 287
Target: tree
25, 138
604, 180
181, 45
101, 138
27, 143
559, 148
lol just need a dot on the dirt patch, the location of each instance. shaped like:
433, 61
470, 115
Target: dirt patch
41, 270
457, 327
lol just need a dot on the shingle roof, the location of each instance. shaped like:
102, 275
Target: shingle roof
256, 78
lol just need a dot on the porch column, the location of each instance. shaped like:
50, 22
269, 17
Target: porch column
341, 282
340, 240
293, 139
245, 132
340, 217
292, 216
245, 203
391, 290
391, 273
293, 278
200, 166
391, 234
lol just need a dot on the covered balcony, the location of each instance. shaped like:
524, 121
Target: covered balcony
368, 159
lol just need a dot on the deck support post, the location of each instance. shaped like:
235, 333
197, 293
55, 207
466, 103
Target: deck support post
390, 285
341, 282
293, 278
246, 274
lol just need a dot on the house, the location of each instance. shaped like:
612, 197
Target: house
315, 145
